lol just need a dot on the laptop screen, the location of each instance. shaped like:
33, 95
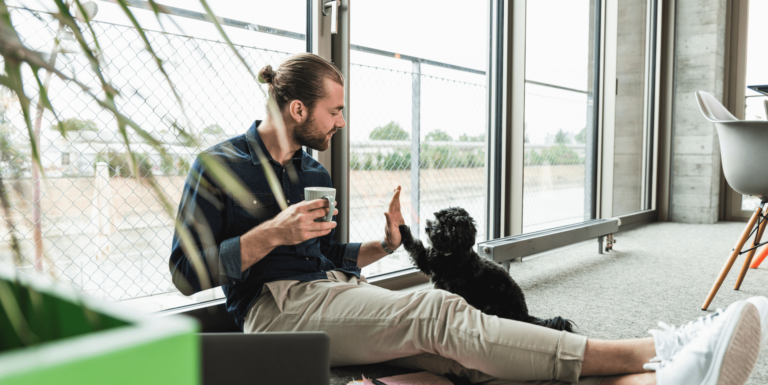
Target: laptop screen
761, 89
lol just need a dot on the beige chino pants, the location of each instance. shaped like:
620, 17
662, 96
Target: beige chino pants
431, 330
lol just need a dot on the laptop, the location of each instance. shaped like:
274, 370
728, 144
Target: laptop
761, 89
266, 358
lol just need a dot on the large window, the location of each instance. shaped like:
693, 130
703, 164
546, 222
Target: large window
559, 112
418, 114
88, 223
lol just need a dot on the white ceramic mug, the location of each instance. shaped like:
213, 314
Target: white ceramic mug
329, 193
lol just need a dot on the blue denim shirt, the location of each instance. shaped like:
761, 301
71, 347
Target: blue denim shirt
228, 218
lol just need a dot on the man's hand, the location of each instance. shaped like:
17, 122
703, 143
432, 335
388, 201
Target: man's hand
297, 224
292, 226
394, 219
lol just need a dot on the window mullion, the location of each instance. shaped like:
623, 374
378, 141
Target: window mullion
340, 45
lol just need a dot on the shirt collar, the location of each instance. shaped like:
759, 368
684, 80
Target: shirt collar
254, 139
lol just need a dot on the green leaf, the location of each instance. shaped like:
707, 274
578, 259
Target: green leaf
15, 315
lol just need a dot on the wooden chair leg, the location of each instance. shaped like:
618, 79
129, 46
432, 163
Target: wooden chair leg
750, 254
731, 259
760, 257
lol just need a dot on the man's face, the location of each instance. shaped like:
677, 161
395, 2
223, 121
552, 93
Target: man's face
324, 119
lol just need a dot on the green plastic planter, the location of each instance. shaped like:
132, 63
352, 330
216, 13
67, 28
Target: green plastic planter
88, 341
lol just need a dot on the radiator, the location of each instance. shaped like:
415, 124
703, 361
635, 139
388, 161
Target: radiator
504, 250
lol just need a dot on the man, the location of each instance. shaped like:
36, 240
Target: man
282, 271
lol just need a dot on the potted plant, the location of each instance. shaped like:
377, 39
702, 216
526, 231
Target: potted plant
52, 335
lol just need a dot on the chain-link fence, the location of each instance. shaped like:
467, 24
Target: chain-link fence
424, 133
88, 222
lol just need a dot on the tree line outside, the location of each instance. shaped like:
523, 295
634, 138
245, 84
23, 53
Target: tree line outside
438, 156
433, 156
560, 153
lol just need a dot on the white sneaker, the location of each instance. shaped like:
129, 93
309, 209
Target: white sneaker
723, 354
671, 339
761, 303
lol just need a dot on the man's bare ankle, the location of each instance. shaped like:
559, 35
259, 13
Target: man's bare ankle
631, 379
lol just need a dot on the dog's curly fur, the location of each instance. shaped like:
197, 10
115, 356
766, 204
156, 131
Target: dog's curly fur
452, 265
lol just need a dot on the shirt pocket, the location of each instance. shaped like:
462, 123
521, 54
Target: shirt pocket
258, 206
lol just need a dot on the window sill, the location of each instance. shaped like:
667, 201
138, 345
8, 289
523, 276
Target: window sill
162, 303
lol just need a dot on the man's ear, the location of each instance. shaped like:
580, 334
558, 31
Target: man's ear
298, 111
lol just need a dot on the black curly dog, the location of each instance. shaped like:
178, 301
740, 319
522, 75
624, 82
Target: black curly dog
452, 265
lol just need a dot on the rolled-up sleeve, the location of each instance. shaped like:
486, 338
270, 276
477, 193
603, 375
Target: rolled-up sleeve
230, 259
200, 216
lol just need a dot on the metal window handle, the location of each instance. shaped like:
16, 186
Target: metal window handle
334, 7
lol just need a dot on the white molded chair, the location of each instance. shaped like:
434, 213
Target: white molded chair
742, 145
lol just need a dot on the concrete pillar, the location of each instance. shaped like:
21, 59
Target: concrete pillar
699, 65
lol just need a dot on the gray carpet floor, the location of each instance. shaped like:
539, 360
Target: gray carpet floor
657, 272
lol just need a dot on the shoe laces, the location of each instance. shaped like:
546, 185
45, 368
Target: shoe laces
654, 364
658, 365
671, 339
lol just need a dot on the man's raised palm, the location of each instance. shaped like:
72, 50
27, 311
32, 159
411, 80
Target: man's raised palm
394, 219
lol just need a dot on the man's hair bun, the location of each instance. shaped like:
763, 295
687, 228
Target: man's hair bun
300, 77
266, 75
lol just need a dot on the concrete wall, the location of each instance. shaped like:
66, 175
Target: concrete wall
700, 65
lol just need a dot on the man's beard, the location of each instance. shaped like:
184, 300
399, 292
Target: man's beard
307, 134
